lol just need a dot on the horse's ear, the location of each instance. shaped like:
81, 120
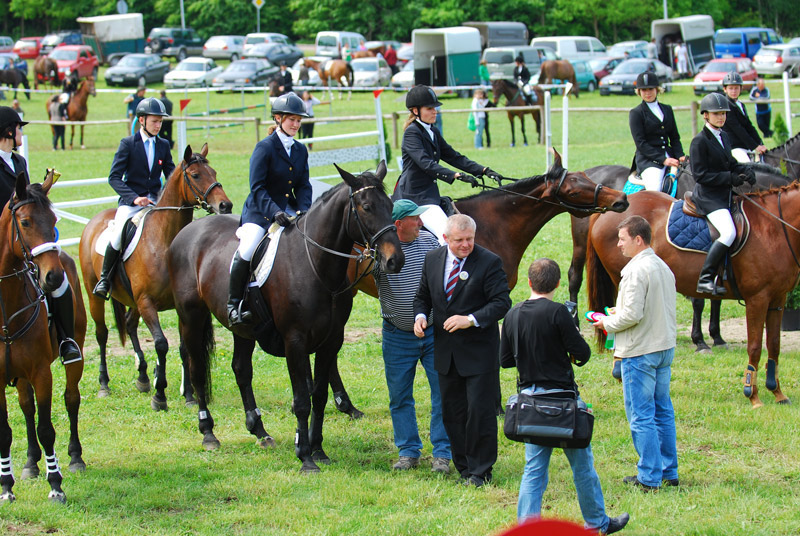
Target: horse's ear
50, 179
21, 186
204, 150
187, 154
557, 160
348, 177
381, 171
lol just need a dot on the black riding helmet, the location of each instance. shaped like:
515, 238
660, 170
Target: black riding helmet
289, 104
9, 119
732, 79
519, 59
714, 102
421, 95
151, 106
647, 80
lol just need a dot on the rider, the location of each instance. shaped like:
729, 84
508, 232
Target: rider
136, 176
12, 163
279, 189
522, 76
285, 80
716, 173
743, 135
655, 133
423, 147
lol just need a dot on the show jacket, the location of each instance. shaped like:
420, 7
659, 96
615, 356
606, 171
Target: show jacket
740, 129
129, 176
712, 167
523, 74
8, 179
421, 168
654, 139
276, 181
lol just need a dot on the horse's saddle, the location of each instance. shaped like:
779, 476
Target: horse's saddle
688, 231
669, 184
131, 233
264, 256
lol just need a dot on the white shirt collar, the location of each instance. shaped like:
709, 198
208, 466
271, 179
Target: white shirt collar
286, 141
144, 135
716, 132
427, 127
6, 156
656, 109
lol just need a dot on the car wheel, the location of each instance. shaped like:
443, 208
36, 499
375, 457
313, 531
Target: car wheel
591, 87
142, 81
182, 54
234, 57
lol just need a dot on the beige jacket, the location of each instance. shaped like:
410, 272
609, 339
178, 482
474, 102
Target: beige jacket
644, 319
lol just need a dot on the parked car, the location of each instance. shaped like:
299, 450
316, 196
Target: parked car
313, 75
405, 54
276, 53
371, 72
54, 40
253, 39
405, 76
604, 65
193, 72
6, 44
622, 79
137, 70
743, 42
175, 42
224, 47
245, 73
775, 59
584, 75
27, 48
572, 47
795, 41
635, 49
710, 77
77, 61
10, 59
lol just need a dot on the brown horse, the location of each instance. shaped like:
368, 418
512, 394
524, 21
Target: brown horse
513, 95
30, 266
13, 77
559, 70
338, 71
45, 70
192, 184
766, 268
78, 109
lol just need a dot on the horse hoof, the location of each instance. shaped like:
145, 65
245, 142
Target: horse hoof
210, 442
704, 351
143, 387
103, 392
29, 473
190, 402
58, 497
320, 456
756, 404
265, 442
78, 466
525, 144
785, 402
7, 497
309, 467
355, 413
158, 404
722, 345
511, 145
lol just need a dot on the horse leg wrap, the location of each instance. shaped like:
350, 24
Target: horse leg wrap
342, 401
52, 466
772, 375
749, 381
252, 419
205, 421
616, 370
6, 470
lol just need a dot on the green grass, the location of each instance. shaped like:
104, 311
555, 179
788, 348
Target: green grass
148, 474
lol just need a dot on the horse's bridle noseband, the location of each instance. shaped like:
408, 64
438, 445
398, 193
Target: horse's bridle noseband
200, 197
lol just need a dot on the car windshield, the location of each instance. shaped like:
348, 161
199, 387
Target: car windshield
64, 55
631, 67
409, 66
728, 38
25, 43
50, 40
132, 61
327, 41
189, 66
155, 33
720, 67
498, 56
254, 40
365, 65
242, 67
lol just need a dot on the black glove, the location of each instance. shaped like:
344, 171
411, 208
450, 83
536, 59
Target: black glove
738, 180
469, 179
493, 175
751, 176
282, 219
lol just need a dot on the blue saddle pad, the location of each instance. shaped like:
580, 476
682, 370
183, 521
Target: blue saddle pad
687, 232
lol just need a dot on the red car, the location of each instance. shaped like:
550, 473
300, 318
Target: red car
603, 65
27, 48
77, 61
710, 77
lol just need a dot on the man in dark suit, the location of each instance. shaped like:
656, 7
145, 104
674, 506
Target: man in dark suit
167, 125
467, 288
285, 80
743, 135
136, 176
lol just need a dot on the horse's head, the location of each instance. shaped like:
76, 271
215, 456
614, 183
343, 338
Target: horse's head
579, 195
88, 84
31, 232
200, 186
498, 89
371, 222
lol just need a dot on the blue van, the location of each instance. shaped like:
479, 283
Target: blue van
743, 42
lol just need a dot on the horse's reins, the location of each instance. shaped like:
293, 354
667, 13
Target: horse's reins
200, 197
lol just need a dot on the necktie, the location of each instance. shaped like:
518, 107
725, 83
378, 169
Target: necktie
452, 278
149, 149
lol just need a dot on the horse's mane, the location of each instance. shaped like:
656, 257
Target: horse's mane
516, 186
791, 141
794, 185
369, 178
769, 170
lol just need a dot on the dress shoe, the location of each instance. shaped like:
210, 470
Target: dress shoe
616, 524
634, 481
477, 481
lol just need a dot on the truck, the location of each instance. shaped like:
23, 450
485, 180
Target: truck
447, 56
501, 33
696, 31
113, 36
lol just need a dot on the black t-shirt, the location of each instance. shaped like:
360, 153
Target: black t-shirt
547, 337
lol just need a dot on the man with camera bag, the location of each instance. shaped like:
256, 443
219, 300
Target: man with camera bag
540, 338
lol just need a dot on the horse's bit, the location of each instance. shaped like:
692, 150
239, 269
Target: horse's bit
200, 197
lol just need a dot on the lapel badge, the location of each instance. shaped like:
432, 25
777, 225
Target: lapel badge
464, 275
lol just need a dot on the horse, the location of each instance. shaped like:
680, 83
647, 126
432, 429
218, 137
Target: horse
765, 269
77, 108
45, 69
193, 184
615, 177
787, 154
559, 70
13, 77
333, 70
514, 97
30, 266
307, 292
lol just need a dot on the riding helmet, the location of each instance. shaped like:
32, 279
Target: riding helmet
732, 79
421, 95
289, 104
647, 80
519, 59
9, 118
151, 106
714, 102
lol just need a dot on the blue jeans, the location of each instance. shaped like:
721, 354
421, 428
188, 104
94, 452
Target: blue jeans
480, 125
402, 350
645, 387
587, 483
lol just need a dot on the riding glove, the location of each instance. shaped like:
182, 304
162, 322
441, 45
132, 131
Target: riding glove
751, 176
492, 174
738, 180
282, 219
469, 179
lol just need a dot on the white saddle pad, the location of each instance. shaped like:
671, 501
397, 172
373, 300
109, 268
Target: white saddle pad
264, 267
634, 178
105, 237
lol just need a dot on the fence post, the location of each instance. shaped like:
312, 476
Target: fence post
787, 104
565, 126
694, 107
394, 129
208, 109
548, 133
258, 129
379, 125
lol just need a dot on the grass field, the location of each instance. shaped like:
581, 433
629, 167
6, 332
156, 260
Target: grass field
148, 474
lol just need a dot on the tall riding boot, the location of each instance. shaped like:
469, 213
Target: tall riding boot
103, 286
240, 275
64, 318
706, 284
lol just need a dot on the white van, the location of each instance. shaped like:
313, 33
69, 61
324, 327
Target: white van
572, 47
330, 44
500, 61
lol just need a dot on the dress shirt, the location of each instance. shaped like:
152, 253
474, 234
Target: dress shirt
656, 109
427, 128
717, 134
7, 159
287, 142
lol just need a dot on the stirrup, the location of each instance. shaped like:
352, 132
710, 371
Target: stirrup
65, 360
238, 315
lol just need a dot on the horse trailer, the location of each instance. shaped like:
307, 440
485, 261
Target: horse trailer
501, 34
695, 31
447, 56
113, 36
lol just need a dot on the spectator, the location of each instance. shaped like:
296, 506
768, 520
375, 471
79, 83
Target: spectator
133, 101
483, 74
58, 112
759, 94
682, 58
479, 101
307, 129
286, 80
391, 58
166, 128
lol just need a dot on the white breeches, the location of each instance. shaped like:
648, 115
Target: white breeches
124, 213
434, 220
249, 235
722, 221
741, 155
652, 178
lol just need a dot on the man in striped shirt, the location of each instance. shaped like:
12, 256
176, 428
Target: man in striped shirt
402, 350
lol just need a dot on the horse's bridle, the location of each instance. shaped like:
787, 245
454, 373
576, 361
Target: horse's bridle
200, 197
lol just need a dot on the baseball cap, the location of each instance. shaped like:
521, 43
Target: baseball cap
404, 208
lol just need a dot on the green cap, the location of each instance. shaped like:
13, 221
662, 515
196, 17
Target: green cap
406, 207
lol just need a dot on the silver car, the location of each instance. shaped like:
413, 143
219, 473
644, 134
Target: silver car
224, 47
777, 59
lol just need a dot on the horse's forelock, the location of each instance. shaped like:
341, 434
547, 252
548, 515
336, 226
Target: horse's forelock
38, 195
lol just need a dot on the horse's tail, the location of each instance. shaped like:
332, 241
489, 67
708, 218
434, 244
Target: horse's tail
119, 319
203, 363
349, 74
601, 290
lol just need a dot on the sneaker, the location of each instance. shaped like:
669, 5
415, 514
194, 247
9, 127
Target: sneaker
405, 463
634, 481
440, 465
616, 524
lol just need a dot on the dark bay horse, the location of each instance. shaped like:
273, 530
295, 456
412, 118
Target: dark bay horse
193, 184
559, 70
307, 292
615, 177
766, 268
45, 70
78, 108
338, 71
513, 95
13, 77
30, 266
787, 155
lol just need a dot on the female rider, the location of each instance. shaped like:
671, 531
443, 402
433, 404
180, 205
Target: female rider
716, 172
423, 147
743, 135
279, 189
655, 133
11, 164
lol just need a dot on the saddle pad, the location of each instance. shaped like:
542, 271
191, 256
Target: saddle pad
264, 267
635, 184
105, 237
687, 232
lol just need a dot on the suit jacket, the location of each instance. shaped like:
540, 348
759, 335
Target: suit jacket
484, 294
522, 73
740, 129
287, 82
8, 179
421, 168
653, 138
130, 176
712, 167
276, 181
